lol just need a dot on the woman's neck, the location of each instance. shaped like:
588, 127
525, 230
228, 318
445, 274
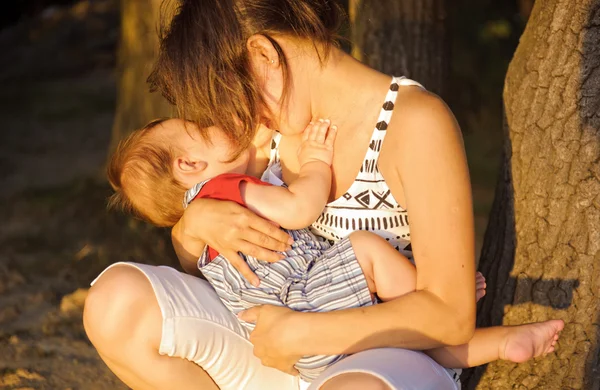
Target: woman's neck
346, 91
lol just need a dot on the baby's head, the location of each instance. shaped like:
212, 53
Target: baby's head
153, 167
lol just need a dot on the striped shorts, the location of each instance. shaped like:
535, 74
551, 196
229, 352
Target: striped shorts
314, 277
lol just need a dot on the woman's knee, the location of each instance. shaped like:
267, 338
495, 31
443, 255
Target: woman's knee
355, 381
119, 305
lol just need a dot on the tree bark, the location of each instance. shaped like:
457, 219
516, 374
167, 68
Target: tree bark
138, 48
402, 38
547, 207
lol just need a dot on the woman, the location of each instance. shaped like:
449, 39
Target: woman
237, 64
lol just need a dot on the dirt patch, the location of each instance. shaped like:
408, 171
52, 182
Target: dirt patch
52, 244
57, 103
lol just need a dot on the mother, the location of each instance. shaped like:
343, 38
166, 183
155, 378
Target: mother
240, 63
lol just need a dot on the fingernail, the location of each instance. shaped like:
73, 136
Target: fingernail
290, 241
288, 248
321, 121
334, 128
256, 283
327, 121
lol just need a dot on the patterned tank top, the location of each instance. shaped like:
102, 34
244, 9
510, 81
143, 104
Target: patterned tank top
368, 204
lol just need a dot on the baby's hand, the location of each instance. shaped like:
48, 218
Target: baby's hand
317, 143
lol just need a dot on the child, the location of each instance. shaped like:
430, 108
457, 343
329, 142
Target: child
157, 167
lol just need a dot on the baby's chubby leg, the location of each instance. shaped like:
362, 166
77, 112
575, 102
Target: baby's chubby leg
389, 274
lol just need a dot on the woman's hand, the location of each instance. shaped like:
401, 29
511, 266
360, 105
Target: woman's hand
230, 228
275, 336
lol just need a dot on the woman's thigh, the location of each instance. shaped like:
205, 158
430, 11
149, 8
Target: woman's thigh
196, 326
400, 369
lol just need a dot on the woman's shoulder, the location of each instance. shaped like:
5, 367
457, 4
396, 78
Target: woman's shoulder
420, 114
422, 125
415, 103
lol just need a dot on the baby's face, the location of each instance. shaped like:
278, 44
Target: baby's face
198, 159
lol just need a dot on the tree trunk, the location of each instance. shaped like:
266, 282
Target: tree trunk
138, 48
402, 38
541, 253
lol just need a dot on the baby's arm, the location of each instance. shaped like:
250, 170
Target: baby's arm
300, 204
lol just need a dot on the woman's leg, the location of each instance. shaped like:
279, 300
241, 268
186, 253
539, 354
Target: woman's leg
386, 369
355, 381
155, 327
124, 322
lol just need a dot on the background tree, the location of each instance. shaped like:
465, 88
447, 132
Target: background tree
402, 37
542, 247
138, 47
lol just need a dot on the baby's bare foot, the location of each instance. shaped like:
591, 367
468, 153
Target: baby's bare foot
479, 286
525, 342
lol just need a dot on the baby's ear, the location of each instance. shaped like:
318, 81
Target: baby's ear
187, 166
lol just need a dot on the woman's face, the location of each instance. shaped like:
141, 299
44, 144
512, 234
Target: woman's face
288, 110
289, 115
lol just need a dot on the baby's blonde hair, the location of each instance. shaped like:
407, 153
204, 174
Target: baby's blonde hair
141, 173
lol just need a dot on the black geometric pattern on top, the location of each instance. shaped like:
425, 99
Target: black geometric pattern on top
381, 125
388, 106
368, 204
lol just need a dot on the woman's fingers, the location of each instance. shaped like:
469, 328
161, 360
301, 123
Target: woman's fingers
250, 315
265, 241
259, 252
287, 369
242, 267
263, 226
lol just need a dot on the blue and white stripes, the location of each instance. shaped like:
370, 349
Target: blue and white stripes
314, 277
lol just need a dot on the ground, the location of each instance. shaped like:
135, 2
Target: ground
57, 102
57, 106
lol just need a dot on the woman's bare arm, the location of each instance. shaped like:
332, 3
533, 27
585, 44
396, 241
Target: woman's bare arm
188, 250
427, 157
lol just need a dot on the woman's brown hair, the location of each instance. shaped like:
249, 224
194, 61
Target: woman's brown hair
203, 65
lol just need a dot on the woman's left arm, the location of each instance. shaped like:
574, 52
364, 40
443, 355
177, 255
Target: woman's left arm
426, 155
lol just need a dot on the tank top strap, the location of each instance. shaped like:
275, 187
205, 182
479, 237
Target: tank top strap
369, 166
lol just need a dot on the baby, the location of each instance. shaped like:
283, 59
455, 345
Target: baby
158, 170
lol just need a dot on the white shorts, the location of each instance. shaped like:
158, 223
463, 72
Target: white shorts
198, 327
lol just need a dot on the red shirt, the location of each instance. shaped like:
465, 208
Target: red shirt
226, 187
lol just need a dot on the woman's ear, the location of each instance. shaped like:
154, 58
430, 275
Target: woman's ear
264, 59
266, 67
262, 52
